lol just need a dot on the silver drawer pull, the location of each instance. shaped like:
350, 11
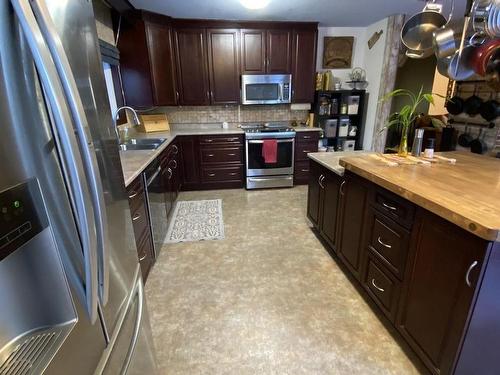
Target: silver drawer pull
231, 154
134, 194
377, 287
176, 149
342, 188
232, 139
304, 170
306, 137
306, 151
210, 155
467, 275
136, 217
233, 174
392, 208
383, 243
320, 181
209, 140
211, 174
143, 257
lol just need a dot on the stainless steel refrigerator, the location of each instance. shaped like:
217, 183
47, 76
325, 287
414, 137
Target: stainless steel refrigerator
71, 293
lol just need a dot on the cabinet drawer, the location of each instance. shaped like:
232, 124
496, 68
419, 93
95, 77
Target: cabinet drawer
145, 254
381, 286
390, 242
220, 139
140, 221
302, 149
301, 171
222, 155
135, 192
395, 207
222, 174
307, 136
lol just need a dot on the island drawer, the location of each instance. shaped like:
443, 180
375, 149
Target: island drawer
222, 155
382, 287
301, 171
389, 242
395, 207
135, 193
220, 139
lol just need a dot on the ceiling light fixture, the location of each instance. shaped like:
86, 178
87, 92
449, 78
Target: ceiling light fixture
254, 4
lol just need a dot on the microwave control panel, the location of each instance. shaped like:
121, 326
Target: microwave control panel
286, 91
22, 216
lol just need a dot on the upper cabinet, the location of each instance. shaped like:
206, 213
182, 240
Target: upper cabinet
266, 51
192, 72
223, 65
199, 62
279, 51
147, 60
253, 51
303, 65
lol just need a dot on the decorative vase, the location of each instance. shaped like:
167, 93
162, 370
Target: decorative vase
403, 144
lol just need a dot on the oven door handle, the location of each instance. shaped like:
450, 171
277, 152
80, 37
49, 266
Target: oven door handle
257, 141
155, 174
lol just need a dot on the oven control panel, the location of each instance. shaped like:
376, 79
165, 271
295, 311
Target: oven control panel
286, 91
22, 216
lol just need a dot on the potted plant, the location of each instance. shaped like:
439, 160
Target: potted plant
406, 117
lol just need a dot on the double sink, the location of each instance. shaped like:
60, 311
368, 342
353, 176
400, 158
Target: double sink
135, 144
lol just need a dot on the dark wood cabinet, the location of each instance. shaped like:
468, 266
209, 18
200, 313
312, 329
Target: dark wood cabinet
190, 162
444, 267
253, 51
192, 71
140, 223
279, 51
223, 65
305, 142
354, 205
323, 201
332, 184
161, 61
146, 60
303, 65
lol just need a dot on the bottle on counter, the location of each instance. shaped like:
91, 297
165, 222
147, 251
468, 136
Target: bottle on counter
429, 148
416, 149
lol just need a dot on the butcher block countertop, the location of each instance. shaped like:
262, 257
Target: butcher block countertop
466, 193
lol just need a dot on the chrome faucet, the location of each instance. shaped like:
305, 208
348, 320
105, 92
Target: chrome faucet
135, 119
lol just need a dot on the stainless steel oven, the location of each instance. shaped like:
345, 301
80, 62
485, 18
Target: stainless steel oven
266, 88
267, 175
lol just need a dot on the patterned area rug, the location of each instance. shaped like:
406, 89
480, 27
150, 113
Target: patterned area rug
196, 221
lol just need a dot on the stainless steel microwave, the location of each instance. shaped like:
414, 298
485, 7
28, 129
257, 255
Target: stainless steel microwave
266, 88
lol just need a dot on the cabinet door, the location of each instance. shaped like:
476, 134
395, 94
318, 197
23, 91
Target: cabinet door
192, 72
443, 270
354, 205
279, 52
332, 184
314, 193
253, 51
190, 161
223, 65
161, 57
303, 65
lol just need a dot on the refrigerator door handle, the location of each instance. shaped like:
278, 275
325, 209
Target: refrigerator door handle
86, 146
139, 293
72, 165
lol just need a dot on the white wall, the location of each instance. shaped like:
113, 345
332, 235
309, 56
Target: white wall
358, 49
374, 60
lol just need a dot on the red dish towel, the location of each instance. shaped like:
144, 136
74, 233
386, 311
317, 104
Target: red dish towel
270, 151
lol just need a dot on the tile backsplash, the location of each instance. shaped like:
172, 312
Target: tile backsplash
231, 114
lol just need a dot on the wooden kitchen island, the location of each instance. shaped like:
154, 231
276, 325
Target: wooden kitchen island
422, 241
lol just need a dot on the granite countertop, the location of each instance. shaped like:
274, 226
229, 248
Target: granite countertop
331, 160
135, 161
466, 193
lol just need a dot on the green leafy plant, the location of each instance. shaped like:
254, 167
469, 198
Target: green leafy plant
406, 117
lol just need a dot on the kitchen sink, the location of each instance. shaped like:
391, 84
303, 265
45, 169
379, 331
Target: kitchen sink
142, 144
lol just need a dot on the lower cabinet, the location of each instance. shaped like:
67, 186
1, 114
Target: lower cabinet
140, 222
422, 271
305, 142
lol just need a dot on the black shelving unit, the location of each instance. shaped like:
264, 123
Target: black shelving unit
323, 98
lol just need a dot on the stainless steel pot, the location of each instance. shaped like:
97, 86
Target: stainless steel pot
444, 42
460, 67
417, 32
485, 17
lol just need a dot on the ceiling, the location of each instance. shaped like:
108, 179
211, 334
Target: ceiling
327, 12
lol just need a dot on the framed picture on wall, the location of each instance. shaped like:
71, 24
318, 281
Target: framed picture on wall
337, 52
